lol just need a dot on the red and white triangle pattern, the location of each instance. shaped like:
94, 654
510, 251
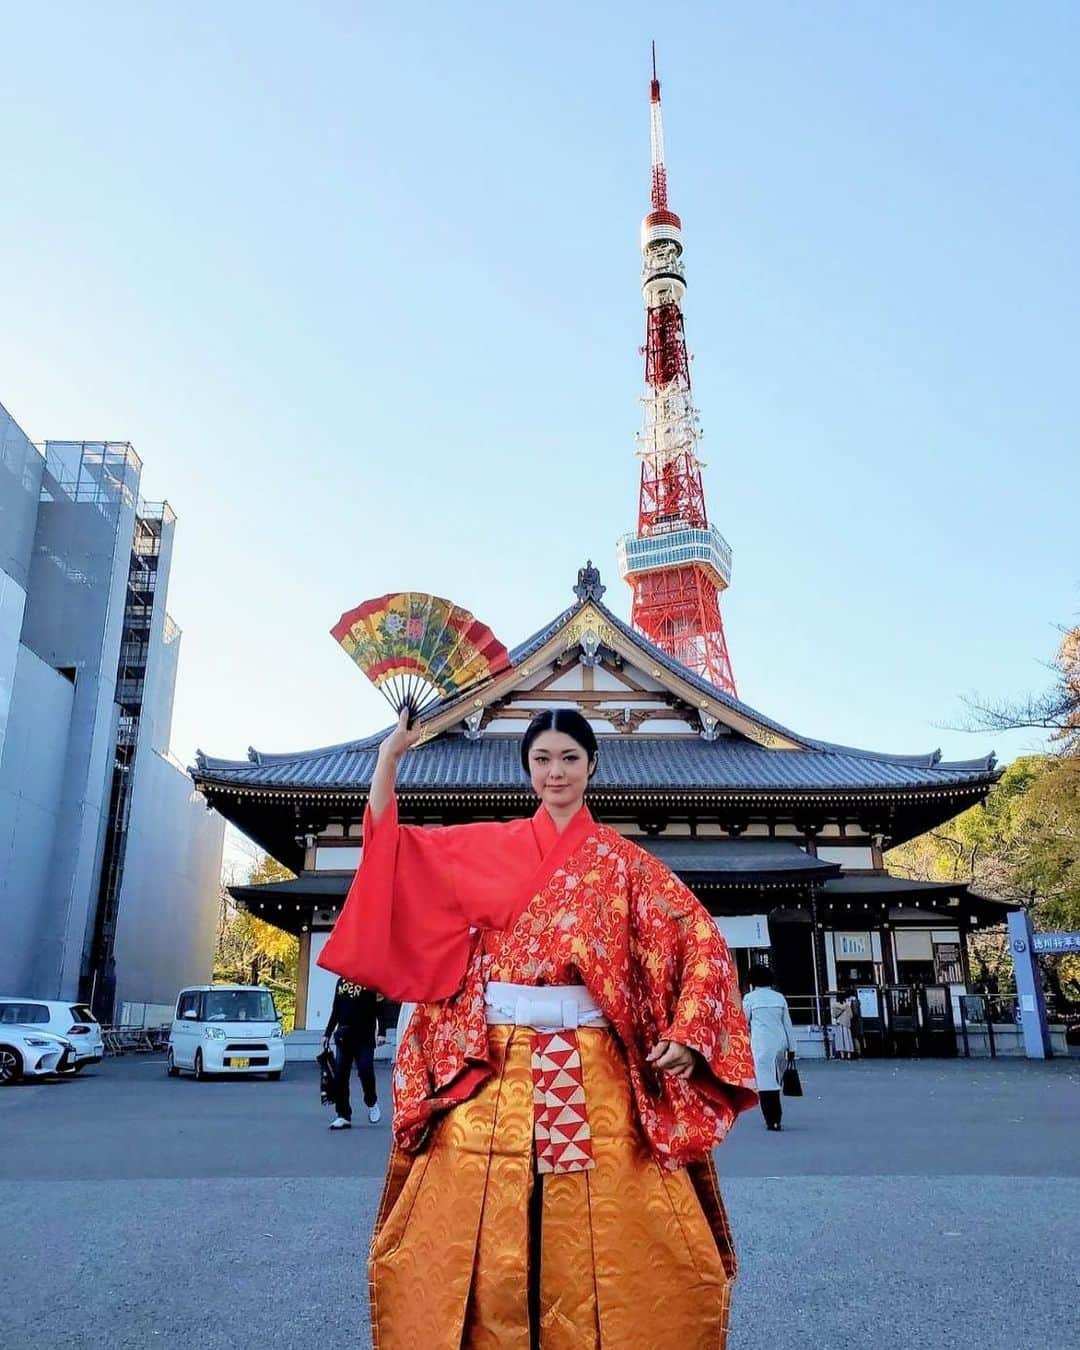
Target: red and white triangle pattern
561, 1119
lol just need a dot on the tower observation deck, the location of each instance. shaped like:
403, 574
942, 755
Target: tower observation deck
676, 562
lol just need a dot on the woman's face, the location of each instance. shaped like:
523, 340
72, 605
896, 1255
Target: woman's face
559, 769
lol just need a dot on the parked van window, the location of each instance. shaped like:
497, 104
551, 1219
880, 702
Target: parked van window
238, 1005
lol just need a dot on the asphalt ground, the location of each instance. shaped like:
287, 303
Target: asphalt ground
906, 1204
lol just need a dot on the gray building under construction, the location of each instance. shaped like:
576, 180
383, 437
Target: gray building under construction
109, 863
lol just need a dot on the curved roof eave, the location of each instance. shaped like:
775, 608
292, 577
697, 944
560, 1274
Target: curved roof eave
208, 766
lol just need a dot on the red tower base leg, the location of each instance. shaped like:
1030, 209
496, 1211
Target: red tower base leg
679, 610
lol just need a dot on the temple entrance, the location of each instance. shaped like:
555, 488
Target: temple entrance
793, 959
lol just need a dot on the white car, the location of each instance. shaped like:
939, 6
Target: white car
228, 1029
26, 1052
73, 1022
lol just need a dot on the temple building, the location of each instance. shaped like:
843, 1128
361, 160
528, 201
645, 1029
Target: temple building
780, 835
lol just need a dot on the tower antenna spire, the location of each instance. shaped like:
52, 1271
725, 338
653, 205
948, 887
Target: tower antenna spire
656, 137
677, 562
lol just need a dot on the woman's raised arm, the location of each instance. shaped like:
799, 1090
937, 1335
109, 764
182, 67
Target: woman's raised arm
383, 781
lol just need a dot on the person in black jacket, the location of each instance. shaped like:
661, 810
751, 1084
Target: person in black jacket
357, 1026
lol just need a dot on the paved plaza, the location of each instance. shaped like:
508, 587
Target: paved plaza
932, 1204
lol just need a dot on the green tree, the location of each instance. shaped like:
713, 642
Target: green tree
1023, 843
251, 951
976, 848
1048, 866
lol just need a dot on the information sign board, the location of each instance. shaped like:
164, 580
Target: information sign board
1047, 944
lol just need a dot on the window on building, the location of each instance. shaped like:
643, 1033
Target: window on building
947, 964
912, 945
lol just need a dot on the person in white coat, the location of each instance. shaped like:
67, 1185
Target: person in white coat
843, 1014
772, 1040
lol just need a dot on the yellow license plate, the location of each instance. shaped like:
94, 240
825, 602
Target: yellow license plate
240, 1063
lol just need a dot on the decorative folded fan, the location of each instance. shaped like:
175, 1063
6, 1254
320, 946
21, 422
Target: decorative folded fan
417, 649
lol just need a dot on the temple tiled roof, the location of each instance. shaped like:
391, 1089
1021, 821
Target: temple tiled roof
698, 858
637, 762
626, 762
720, 859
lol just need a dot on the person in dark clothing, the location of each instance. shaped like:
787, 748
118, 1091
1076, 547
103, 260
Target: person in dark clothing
356, 1026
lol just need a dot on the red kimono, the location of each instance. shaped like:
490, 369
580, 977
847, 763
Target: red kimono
431, 917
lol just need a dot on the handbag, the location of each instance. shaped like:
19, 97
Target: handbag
791, 1083
326, 1065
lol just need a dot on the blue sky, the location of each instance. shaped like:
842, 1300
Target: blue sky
360, 284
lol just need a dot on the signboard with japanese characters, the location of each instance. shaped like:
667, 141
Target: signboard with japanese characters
1048, 944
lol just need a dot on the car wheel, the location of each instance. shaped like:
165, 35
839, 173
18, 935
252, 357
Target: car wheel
170, 1066
11, 1065
274, 1075
200, 1073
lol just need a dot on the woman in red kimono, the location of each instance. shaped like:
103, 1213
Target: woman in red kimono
578, 1049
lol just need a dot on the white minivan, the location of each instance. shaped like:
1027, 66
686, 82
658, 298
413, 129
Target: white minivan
226, 1029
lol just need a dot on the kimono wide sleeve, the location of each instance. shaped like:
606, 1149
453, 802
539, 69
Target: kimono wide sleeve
708, 1015
418, 894
689, 994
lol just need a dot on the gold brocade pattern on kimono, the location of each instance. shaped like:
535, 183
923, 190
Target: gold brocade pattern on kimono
477, 1246
630, 1253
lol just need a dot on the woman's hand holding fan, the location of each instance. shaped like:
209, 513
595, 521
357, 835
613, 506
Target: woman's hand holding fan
401, 739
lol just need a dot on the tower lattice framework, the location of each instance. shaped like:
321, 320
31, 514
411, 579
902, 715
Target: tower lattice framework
677, 563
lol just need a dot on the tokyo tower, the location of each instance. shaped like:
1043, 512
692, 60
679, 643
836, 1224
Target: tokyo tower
676, 563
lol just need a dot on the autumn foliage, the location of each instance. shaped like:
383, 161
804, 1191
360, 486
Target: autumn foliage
1023, 843
250, 951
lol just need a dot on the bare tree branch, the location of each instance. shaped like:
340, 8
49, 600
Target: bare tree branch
1056, 710
1050, 711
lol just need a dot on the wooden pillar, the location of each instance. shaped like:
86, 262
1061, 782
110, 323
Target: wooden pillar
821, 977
965, 960
303, 961
888, 953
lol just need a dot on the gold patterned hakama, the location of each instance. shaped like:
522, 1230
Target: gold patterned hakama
619, 1256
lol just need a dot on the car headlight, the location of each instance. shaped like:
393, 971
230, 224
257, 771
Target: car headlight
276, 1031
39, 1041
215, 1033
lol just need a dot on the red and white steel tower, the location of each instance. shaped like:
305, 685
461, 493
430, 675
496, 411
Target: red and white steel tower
676, 562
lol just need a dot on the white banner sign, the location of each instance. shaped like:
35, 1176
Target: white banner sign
744, 930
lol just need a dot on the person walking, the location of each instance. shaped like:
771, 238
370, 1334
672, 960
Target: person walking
577, 1050
772, 1041
843, 1013
356, 1026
